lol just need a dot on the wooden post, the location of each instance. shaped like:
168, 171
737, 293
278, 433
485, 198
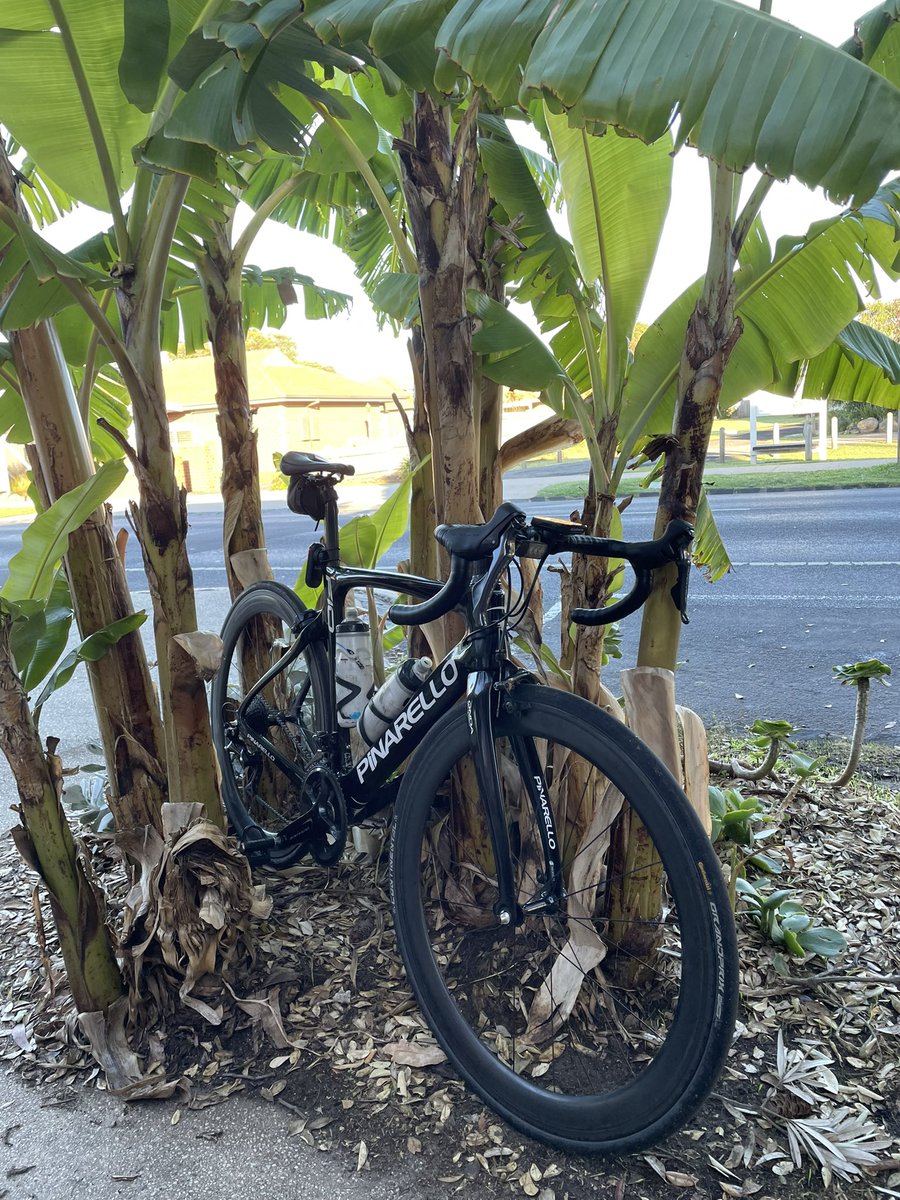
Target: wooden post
834, 433
776, 433
753, 433
889, 432
722, 444
807, 439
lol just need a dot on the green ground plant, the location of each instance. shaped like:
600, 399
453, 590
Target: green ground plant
741, 826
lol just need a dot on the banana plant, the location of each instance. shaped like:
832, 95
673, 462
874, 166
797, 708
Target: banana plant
112, 91
214, 294
358, 182
82, 136
36, 598
34, 624
62, 397
616, 63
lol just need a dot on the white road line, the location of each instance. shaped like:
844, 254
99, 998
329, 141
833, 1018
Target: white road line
844, 563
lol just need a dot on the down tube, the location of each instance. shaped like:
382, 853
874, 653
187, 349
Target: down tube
441, 690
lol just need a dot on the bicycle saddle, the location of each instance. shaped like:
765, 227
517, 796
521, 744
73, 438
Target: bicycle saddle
472, 542
296, 462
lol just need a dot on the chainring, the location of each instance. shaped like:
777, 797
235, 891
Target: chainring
323, 793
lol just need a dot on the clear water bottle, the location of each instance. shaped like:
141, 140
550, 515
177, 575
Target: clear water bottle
354, 676
392, 697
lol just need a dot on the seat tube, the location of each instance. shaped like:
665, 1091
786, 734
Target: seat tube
480, 700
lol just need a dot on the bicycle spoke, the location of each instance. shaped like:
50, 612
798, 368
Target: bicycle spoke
533, 997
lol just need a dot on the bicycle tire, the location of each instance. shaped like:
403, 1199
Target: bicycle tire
641, 1109
278, 604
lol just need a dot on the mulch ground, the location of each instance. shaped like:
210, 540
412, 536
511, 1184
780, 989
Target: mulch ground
810, 1096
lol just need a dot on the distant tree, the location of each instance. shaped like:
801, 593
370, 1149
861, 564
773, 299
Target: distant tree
884, 315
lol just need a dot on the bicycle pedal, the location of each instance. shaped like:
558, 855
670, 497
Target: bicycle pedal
257, 846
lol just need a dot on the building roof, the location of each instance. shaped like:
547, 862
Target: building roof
273, 378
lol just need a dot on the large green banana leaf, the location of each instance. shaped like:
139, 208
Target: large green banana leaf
514, 355
265, 296
616, 191
793, 302
543, 252
747, 88
243, 86
30, 270
876, 40
742, 86
541, 267
39, 634
32, 569
40, 101
92, 649
155, 30
862, 365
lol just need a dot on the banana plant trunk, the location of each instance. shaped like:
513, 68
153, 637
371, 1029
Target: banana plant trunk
447, 205
46, 843
591, 582
243, 528
125, 702
161, 523
422, 513
712, 334
439, 181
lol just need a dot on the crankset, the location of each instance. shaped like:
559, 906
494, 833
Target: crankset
323, 827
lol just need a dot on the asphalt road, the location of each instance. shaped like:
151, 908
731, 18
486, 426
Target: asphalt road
816, 582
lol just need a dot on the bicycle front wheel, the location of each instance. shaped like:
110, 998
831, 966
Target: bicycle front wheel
261, 802
602, 1026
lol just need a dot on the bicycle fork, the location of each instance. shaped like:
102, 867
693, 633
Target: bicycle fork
481, 702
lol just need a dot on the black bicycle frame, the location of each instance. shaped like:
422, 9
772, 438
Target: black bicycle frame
479, 668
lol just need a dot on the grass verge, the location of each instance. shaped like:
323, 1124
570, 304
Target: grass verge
793, 481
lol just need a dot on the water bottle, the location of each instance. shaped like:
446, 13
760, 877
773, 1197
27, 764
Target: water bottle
353, 674
392, 697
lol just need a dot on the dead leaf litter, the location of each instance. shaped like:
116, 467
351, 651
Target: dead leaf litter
327, 1031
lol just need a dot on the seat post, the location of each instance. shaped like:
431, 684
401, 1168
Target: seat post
332, 535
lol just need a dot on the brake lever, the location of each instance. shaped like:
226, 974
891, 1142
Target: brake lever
679, 590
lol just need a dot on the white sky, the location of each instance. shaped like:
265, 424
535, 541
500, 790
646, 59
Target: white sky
353, 343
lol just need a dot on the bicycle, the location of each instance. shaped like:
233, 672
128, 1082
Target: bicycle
577, 1024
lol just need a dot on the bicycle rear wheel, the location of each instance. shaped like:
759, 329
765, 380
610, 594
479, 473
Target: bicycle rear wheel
261, 802
589, 1029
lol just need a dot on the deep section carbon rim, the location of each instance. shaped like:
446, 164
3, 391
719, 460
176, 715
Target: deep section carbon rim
594, 1027
288, 711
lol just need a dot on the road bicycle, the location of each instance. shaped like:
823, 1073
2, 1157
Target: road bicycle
512, 885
